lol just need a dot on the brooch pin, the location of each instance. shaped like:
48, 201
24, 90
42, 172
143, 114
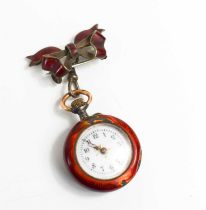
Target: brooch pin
101, 151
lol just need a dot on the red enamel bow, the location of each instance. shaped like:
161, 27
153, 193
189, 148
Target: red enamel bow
88, 45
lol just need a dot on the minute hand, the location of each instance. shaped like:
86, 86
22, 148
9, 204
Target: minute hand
92, 145
103, 150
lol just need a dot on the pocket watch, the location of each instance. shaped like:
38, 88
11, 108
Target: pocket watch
101, 151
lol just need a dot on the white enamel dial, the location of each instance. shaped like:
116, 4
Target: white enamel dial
104, 151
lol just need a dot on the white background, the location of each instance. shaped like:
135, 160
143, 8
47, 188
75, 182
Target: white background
154, 78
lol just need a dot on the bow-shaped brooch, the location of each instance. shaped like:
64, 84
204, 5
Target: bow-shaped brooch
88, 45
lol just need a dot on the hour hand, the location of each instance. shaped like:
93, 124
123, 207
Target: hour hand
92, 145
103, 150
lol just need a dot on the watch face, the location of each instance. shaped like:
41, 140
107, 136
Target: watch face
104, 151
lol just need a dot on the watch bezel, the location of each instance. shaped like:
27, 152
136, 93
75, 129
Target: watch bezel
80, 174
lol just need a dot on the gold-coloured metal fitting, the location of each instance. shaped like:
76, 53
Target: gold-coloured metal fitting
77, 103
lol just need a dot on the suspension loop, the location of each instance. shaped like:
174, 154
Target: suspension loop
78, 105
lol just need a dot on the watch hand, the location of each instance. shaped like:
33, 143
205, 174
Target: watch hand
92, 145
103, 150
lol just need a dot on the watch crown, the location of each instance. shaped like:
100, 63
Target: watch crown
79, 107
77, 103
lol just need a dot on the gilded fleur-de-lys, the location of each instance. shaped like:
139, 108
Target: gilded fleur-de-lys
88, 45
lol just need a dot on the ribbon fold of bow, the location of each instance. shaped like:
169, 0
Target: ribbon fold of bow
88, 45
